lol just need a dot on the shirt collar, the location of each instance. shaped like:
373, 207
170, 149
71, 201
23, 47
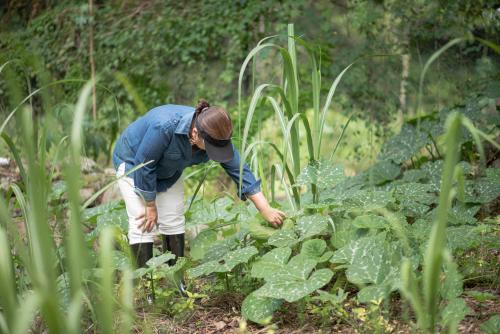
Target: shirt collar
185, 123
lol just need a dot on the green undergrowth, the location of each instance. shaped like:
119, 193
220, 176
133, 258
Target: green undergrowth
349, 246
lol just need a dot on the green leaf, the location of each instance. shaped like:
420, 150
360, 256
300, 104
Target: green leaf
322, 174
366, 200
481, 296
382, 172
271, 262
200, 244
283, 238
327, 297
218, 210
492, 326
373, 293
225, 264
454, 312
370, 221
117, 218
309, 226
157, 261
482, 190
259, 309
403, 146
313, 248
293, 282
259, 231
92, 213
344, 233
369, 260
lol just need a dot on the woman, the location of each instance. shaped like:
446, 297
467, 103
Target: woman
168, 139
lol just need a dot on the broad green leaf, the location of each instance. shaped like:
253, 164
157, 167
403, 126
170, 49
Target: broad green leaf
200, 244
218, 210
492, 326
454, 312
463, 237
382, 172
322, 174
225, 264
259, 231
259, 309
314, 249
117, 218
283, 238
344, 233
331, 298
482, 190
292, 287
309, 226
452, 285
271, 262
373, 293
414, 175
369, 260
404, 145
221, 247
92, 213
370, 221
481, 296
366, 200
159, 260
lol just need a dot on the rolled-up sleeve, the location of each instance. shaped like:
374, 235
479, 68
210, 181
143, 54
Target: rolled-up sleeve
153, 145
250, 185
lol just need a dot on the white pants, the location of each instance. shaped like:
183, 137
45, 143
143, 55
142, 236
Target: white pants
169, 204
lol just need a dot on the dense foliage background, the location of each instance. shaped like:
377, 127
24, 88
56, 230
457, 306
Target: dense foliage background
148, 53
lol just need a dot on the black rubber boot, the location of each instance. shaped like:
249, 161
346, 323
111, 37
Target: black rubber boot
175, 244
142, 253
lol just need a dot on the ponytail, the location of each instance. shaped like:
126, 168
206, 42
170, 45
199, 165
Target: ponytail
201, 106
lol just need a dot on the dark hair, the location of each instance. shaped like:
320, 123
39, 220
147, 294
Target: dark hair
214, 120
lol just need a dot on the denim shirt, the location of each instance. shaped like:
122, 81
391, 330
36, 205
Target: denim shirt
161, 135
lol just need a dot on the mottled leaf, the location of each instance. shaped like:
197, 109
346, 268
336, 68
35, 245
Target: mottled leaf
271, 262
225, 264
321, 173
200, 244
259, 309
283, 238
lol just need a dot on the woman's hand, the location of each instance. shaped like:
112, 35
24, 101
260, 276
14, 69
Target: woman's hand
148, 219
274, 216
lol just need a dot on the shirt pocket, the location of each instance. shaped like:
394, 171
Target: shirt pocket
171, 163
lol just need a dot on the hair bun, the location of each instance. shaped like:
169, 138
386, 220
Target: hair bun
202, 104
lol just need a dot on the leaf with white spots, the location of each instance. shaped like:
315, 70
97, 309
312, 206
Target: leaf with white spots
271, 262
370, 221
294, 280
283, 238
259, 309
225, 264
366, 200
321, 173
404, 145
309, 226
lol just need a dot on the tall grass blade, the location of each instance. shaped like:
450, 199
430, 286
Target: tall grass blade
433, 258
429, 62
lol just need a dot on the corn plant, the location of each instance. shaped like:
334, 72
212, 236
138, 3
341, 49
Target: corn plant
37, 258
285, 105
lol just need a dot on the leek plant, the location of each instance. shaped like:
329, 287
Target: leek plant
36, 258
284, 100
